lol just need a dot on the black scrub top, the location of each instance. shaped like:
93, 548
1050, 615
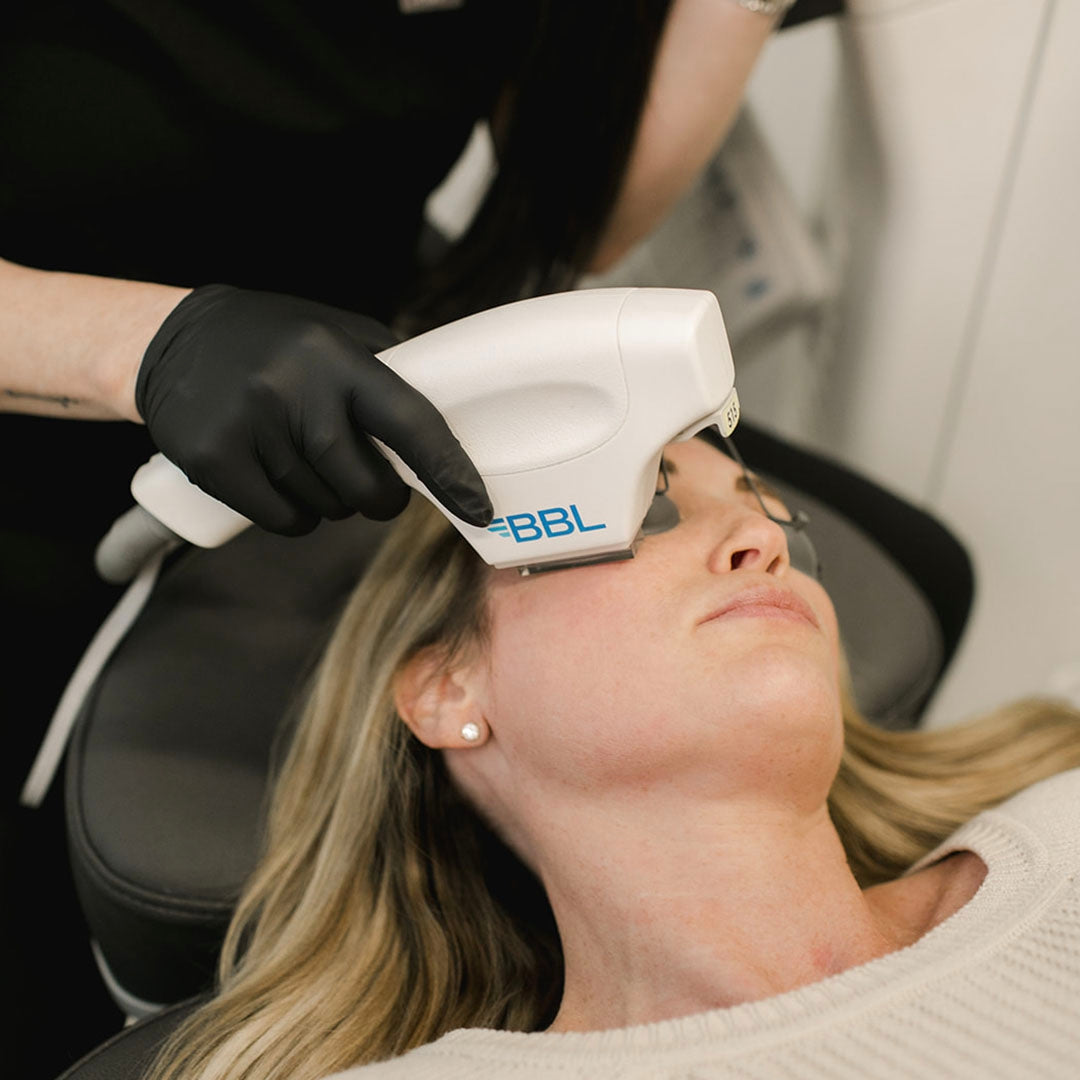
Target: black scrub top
265, 144
286, 145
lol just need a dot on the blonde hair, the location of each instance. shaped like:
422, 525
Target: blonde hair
384, 913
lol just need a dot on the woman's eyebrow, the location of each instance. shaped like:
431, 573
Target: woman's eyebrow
743, 484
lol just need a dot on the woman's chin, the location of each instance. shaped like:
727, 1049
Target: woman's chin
781, 684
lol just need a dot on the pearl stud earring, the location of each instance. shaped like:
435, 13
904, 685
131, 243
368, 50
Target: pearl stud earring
470, 732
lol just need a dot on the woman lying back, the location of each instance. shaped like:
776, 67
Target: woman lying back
624, 821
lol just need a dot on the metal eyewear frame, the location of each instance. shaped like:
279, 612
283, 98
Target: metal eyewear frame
664, 515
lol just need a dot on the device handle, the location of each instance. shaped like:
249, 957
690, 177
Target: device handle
165, 492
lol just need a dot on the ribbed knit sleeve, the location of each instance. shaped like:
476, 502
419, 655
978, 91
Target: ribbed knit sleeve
993, 991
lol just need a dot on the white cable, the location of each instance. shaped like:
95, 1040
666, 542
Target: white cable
134, 1008
109, 635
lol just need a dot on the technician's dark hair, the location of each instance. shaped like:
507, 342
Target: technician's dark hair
572, 114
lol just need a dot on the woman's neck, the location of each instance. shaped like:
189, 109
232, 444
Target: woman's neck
668, 915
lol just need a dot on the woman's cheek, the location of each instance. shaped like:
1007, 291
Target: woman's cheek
566, 669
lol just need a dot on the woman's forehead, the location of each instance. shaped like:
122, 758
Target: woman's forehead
696, 458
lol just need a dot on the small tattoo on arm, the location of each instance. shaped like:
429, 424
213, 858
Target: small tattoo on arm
64, 402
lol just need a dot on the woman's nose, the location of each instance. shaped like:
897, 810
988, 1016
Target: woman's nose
746, 540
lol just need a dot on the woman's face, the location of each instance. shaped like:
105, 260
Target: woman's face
705, 660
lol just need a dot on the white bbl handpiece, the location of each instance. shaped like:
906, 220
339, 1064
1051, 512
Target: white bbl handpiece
564, 403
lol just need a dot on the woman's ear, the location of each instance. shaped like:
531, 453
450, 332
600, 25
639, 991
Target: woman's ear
438, 702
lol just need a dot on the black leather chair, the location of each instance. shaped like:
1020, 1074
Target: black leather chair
128, 1054
168, 761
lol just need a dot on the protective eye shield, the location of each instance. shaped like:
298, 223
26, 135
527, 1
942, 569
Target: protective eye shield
664, 514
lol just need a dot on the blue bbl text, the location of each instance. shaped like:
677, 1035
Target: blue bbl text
552, 522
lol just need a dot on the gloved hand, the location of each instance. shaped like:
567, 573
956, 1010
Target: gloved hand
266, 401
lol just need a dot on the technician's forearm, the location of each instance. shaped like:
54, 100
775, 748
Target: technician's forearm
705, 57
71, 344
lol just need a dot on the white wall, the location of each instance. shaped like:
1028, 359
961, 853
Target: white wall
949, 195
1009, 465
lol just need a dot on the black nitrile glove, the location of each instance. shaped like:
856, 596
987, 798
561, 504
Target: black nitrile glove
266, 402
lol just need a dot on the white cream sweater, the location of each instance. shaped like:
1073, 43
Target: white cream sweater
991, 992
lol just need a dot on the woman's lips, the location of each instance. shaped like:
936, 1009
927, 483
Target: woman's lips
765, 602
